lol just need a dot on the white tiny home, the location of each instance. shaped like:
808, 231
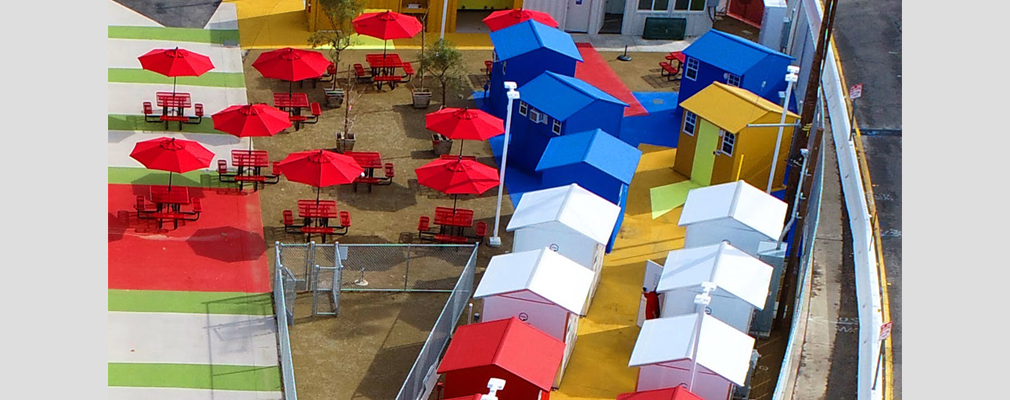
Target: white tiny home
570, 220
735, 212
741, 282
665, 354
539, 287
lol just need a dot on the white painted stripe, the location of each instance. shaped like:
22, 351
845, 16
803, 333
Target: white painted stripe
123, 53
184, 338
123, 16
128, 98
226, 17
138, 393
121, 144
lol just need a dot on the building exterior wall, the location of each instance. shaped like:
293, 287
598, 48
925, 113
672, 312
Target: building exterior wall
698, 22
588, 177
707, 384
521, 70
535, 310
757, 149
686, 144
712, 232
725, 307
600, 114
474, 380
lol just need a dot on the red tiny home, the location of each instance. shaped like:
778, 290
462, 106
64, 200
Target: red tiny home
677, 393
526, 358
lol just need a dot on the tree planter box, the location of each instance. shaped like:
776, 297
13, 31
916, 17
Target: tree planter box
345, 142
334, 97
422, 98
440, 144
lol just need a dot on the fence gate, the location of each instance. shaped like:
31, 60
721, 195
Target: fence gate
326, 278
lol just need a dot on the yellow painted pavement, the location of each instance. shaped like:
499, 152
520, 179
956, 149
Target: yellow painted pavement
599, 365
271, 24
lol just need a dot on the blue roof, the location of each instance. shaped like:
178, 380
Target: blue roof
531, 35
562, 96
596, 148
728, 52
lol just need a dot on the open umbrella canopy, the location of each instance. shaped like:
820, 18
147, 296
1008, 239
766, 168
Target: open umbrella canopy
464, 123
173, 155
176, 62
505, 18
320, 168
457, 176
291, 64
387, 25
251, 120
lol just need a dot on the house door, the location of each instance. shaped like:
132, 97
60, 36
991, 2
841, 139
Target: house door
704, 153
577, 18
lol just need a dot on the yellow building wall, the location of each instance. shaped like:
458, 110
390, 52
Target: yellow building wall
752, 155
686, 145
317, 21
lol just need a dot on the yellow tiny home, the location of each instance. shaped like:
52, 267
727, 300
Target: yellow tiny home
433, 8
716, 145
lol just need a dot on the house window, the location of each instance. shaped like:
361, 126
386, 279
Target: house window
689, 5
728, 141
690, 123
538, 117
523, 107
732, 80
557, 127
653, 5
692, 69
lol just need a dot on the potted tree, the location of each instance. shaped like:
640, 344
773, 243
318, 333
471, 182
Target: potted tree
345, 138
445, 64
339, 13
420, 94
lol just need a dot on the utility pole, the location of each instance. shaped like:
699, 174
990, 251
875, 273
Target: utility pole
801, 140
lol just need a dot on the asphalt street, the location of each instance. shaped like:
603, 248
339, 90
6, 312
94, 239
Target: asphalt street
868, 39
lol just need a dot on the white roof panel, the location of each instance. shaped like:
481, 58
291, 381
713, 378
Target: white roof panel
577, 208
721, 348
739, 201
731, 269
543, 272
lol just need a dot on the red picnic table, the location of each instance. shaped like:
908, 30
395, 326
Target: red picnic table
168, 205
316, 215
369, 161
291, 102
173, 109
249, 164
452, 223
384, 67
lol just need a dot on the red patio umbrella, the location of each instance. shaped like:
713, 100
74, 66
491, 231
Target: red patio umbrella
320, 168
172, 155
251, 120
457, 177
387, 25
464, 124
291, 65
175, 62
505, 18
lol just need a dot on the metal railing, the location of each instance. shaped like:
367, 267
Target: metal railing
421, 377
283, 313
402, 267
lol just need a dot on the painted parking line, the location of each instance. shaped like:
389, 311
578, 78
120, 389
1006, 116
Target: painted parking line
170, 301
134, 393
195, 376
174, 34
123, 53
212, 78
129, 98
189, 338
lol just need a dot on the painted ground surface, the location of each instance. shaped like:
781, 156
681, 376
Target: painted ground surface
190, 313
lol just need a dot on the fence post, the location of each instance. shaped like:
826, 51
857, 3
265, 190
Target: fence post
406, 273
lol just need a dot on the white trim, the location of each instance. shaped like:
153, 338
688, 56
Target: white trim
523, 108
722, 142
688, 68
731, 77
683, 125
556, 127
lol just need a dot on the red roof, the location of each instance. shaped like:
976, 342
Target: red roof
509, 344
475, 396
677, 393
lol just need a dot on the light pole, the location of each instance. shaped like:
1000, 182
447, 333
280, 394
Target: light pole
702, 300
791, 78
512, 94
445, 6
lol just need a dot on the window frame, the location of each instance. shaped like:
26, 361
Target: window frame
730, 77
690, 67
652, 6
694, 124
692, 5
523, 108
556, 127
723, 135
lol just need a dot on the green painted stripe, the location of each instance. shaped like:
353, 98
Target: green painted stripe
143, 176
210, 79
215, 36
195, 376
120, 122
234, 303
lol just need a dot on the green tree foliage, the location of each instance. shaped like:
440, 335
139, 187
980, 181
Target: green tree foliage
339, 13
444, 63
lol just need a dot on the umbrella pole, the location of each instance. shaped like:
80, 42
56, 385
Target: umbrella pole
317, 195
174, 80
461, 149
454, 198
169, 181
384, 49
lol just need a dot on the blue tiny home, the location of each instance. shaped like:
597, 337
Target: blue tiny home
595, 160
522, 52
721, 57
553, 105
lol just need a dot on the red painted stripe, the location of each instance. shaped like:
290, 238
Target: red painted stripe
595, 71
224, 251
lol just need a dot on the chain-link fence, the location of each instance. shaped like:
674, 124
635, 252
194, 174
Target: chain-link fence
403, 267
284, 303
420, 380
